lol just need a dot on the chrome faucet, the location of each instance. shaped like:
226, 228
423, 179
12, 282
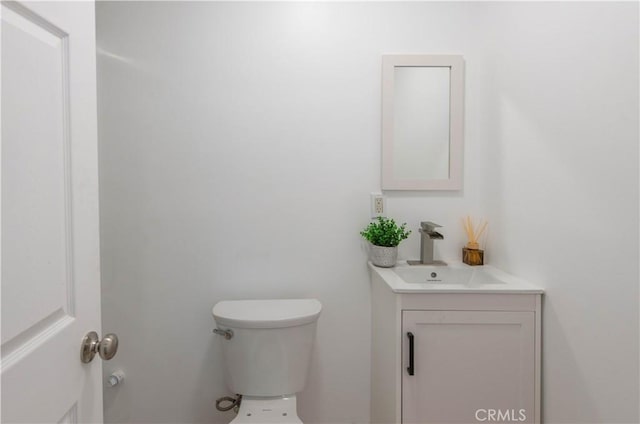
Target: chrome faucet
428, 234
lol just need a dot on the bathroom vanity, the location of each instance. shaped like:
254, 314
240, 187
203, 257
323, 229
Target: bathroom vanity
454, 344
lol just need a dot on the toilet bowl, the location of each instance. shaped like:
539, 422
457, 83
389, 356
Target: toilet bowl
267, 347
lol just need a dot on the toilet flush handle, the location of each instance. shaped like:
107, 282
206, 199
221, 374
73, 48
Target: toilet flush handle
228, 334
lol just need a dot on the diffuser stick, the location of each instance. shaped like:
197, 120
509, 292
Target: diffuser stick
471, 253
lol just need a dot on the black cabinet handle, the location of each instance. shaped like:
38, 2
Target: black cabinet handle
410, 367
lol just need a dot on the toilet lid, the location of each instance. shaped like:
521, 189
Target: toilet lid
272, 313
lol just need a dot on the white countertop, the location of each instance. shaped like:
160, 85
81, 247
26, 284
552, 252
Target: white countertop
485, 279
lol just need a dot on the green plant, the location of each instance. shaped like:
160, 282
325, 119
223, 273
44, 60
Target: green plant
385, 232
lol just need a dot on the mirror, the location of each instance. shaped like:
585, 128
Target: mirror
422, 122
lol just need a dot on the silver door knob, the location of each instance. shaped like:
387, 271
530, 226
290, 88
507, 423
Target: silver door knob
91, 344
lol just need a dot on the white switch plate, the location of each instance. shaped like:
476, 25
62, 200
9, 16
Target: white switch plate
378, 205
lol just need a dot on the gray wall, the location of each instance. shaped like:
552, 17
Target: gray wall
239, 143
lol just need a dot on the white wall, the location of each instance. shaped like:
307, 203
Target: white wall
238, 146
564, 197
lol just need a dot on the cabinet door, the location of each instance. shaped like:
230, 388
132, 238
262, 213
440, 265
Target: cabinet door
469, 366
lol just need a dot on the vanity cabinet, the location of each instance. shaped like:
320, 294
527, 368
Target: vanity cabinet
442, 356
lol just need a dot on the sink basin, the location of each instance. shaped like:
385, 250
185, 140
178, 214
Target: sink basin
446, 275
456, 277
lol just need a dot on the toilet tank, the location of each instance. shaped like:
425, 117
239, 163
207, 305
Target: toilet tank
270, 351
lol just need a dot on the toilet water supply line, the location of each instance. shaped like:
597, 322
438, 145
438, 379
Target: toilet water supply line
235, 403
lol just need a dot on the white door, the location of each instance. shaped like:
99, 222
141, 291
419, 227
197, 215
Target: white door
468, 366
50, 242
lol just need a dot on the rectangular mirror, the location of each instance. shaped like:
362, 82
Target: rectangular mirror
422, 122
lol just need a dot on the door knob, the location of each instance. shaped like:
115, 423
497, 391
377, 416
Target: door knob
91, 344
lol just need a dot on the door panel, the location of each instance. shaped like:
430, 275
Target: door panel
50, 245
36, 215
468, 363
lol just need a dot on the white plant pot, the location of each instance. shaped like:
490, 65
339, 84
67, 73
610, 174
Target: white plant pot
381, 256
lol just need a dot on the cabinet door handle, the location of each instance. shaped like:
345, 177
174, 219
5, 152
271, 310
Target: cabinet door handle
410, 367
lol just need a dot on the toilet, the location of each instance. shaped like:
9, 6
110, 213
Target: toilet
267, 347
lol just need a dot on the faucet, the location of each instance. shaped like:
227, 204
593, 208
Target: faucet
428, 234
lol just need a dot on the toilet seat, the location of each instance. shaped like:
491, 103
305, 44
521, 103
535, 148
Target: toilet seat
254, 410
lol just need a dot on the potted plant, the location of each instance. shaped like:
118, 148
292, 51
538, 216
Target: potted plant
384, 236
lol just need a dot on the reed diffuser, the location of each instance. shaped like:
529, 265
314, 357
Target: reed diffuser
471, 253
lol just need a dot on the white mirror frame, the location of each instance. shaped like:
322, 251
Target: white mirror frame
390, 181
